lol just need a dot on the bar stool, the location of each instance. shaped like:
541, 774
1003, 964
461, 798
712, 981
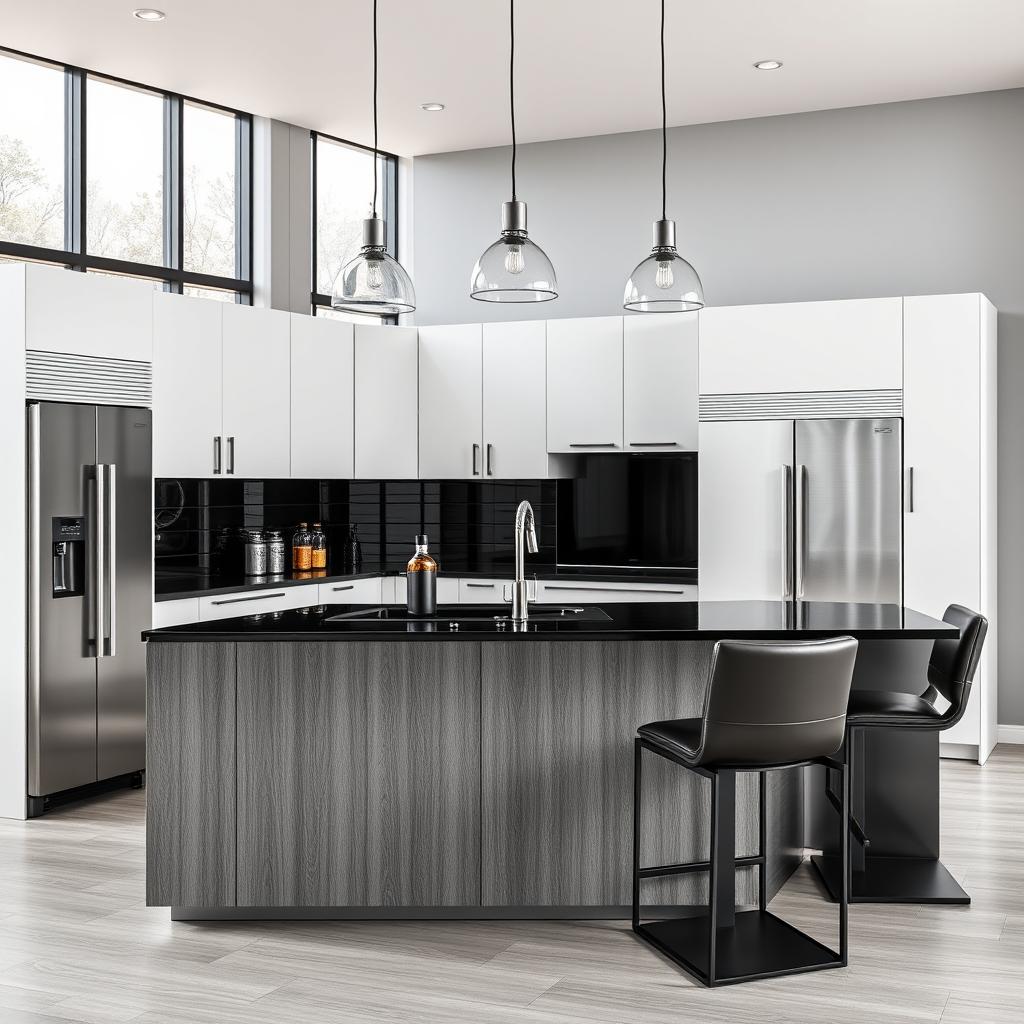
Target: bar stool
877, 877
769, 705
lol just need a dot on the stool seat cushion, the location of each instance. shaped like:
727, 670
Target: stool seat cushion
681, 736
887, 707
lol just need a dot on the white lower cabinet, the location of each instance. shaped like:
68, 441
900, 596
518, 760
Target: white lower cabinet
351, 591
259, 602
447, 590
562, 591
175, 613
481, 591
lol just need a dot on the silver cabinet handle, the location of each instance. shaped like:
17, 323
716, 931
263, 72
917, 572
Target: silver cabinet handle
347, 586
490, 458
593, 444
597, 587
111, 574
482, 586
231, 456
787, 525
910, 488
99, 520
476, 458
801, 528
252, 597
218, 447
653, 444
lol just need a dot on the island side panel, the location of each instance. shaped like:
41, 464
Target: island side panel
557, 767
190, 775
359, 775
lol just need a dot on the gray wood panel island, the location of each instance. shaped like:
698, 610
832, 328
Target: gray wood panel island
312, 764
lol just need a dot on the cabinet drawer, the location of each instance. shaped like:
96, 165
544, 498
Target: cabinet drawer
482, 591
351, 592
175, 613
258, 602
615, 593
447, 590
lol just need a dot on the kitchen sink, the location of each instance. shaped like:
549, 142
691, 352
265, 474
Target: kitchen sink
462, 613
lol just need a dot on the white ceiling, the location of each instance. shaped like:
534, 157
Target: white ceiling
585, 67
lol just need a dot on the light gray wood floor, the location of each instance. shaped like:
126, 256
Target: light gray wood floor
78, 943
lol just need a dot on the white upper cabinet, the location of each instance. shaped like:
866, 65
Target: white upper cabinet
386, 390
86, 314
187, 420
660, 382
584, 359
256, 368
322, 398
851, 345
451, 414
515, 395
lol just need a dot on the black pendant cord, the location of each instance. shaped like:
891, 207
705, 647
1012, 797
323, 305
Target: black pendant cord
664, 115
512, 86
375, 160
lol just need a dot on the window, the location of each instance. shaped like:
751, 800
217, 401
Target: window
342, 200
111, 177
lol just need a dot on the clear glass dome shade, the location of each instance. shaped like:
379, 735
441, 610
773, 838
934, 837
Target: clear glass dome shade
374, 282
513, 269
663, 283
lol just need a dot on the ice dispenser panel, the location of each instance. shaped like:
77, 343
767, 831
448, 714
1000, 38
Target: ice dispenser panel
68, 556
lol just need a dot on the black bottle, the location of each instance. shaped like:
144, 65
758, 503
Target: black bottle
353, 551
421, 580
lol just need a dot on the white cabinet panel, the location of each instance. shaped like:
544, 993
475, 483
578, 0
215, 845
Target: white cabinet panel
257, 400
482, 591
187, 418
450, 392
351, 592
87, 314
386, 390
257, 602
660, 382
563, 592
447, 590
322, 398
584, 360
175, 613
514, 400
851, 345
742, 509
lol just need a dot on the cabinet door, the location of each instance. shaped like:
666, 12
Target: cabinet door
515, 397
358, 775
322, 398
386, 387
584, 361
257, 602
187, 420
660, 382
744, 510
175, 613
87, 314
561, 592
257, 413
942, 457
850, 345
450, 402
351, 592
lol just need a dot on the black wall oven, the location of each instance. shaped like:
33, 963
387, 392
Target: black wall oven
630, 512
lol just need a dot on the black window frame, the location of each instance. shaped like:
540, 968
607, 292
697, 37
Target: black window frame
174, 276
389, 210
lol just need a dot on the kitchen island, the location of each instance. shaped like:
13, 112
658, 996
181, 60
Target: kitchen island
341, 762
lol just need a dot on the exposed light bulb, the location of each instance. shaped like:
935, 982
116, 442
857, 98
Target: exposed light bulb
514, 262
374, 275
663, 278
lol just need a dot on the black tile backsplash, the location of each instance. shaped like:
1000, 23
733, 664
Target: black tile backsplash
469, 525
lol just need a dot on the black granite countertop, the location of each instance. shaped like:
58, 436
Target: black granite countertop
177, 586
689, 620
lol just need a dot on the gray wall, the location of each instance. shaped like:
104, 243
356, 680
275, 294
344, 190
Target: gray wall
899, 199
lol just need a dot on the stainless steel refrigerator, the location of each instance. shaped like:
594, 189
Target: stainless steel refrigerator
801, 510
90, 493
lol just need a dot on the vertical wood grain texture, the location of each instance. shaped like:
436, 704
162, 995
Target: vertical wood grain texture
558, 722
359, 774
190, 772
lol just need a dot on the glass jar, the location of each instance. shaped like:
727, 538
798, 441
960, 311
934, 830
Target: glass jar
302, 549
318, 547
255, 554
275, 553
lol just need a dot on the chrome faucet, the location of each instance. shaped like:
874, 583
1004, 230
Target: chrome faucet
525, 537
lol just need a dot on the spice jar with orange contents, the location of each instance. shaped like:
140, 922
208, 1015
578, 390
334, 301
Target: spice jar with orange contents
302, 549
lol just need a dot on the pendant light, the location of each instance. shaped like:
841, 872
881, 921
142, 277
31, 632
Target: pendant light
664, 282
374, 282
514, 268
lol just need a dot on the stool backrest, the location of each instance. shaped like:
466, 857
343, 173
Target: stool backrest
953, 663
776, 703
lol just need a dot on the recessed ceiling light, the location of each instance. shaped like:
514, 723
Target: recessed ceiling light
768, 65
148, 14
432, 106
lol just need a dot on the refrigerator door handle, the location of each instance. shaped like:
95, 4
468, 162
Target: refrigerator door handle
34, 610
99, 519
801, 529
787, 531
910, 488
111, 568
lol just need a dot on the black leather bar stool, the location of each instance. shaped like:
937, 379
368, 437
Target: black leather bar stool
768, 705
882, 877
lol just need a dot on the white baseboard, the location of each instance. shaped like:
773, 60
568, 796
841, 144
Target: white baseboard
1010, 733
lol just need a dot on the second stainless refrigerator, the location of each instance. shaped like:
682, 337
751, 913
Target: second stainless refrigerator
801, 510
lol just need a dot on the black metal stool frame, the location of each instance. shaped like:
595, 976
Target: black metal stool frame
721, 867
